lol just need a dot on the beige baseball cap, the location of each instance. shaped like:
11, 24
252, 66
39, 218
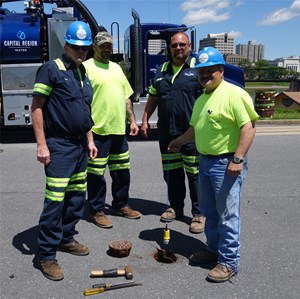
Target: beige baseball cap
102, 38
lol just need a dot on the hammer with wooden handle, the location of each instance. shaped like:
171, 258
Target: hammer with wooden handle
127, 272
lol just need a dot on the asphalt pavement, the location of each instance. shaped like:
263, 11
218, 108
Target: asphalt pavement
270, 211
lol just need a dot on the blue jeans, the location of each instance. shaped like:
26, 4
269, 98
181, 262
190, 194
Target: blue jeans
219, 199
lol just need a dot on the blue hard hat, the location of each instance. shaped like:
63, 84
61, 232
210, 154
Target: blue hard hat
79, 33
209, 56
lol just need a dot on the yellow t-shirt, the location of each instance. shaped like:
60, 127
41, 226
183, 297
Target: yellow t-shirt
110, 91
217, 118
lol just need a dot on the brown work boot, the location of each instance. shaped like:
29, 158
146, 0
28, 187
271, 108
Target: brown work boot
197, 225
126, 212
101, 220
51, 269
171, 214
203, 257
75, 248
220, 273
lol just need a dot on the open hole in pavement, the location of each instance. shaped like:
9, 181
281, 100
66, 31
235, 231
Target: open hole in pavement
164, 256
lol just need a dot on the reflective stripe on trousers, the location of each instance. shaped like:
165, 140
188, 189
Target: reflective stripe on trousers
175, 167
112, 152
64, 194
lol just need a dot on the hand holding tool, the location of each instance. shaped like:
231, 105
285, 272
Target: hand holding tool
127, 272
108, 287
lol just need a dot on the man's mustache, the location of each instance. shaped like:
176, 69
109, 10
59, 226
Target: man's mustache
206, 78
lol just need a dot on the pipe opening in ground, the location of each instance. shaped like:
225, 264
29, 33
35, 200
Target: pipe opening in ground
164, 256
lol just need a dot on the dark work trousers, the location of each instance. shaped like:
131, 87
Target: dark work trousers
175, 166
112, 151
64, 194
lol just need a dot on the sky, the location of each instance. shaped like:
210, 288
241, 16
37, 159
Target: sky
272, 23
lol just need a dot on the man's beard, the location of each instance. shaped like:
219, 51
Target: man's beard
105, 55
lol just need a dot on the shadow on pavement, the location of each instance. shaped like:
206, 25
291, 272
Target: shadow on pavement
26, 243
150, 207
147, 207
144, 206
17, 135
179, 243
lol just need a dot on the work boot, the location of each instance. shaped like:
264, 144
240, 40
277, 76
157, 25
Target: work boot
197, 225
126, 212
220, 273
75, 248
101, 220
203, 257
171, 214
51, 269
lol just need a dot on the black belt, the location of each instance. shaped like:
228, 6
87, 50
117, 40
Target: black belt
75, 138
70, 138
218, 156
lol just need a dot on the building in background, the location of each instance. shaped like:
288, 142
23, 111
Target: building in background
221, 41
252, 51
288, 100
290, 63
233, 58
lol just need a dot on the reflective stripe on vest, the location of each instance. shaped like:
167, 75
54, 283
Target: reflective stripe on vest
62, 67
60, 64
165, 64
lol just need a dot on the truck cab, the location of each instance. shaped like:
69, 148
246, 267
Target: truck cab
30, 38
146, 47
27, 40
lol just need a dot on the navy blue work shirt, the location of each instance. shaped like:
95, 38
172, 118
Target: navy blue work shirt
67, 110
176, 97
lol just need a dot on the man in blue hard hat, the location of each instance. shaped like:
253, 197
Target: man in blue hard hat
223, 126
62, 122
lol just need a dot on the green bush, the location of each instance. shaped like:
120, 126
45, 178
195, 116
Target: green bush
281, 113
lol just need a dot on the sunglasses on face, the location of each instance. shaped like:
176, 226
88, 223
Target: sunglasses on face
181, 45
77, 48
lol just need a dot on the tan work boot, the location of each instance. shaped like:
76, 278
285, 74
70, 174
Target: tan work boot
170, 214
126, 212
197, 225
51, 269
203, 257
75, 248
220, 273
101, 220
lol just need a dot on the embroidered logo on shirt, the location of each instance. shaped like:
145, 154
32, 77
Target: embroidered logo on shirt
189, 74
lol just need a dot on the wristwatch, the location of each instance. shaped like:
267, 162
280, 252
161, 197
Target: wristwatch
237, 160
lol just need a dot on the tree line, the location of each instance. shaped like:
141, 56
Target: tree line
263, 70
